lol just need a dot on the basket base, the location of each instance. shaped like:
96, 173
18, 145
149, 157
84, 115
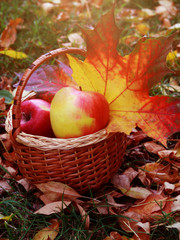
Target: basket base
80, 168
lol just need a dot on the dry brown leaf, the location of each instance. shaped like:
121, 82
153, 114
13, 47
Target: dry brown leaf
166, 9
153, 147
8, 36
25, 183
6, 142
62, 16
76, 40
136, 137
169, 188
128, 221
124, 180
117, 236
143, 178
136, 192
167, 153
55, 191
176, 204
121, 181
160, 173
103, 210
143, 231
153, 203
113, 203
171, 156
4, 186
11, 172
54, 207
6, 83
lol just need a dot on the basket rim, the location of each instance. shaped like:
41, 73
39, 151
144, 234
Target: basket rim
46, 143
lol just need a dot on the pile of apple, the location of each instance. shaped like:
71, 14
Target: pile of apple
72, 113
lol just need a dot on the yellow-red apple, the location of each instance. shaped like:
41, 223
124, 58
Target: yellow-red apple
35, 117
75, 113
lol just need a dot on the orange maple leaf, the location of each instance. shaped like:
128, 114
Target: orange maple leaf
126, 81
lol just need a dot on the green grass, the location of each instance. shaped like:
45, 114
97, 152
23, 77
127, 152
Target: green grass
23, 224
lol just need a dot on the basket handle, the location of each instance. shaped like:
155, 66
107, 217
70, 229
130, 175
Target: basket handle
16, 109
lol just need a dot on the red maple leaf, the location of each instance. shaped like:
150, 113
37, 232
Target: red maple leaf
126, 81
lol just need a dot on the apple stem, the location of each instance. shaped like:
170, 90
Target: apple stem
80, 88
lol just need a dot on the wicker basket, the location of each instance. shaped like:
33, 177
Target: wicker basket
82, 163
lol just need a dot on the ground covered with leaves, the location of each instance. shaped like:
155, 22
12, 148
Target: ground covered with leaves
142, 200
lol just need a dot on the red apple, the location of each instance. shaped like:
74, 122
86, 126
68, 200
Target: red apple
75, 113
35, 117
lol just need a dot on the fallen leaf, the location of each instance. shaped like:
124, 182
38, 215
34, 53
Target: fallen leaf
169, 188
48, 233
4, 186
153, 147
123, 183
128, 221
143, 232
136, 137
124, 180
8, 36
160, 173
55, 191
164, 154
62, 16
174, 225
6, 142
6, 82
25, 183
142, 28
53, 207
136, 192
76, 40
143, 178
47, 7
152, 204
13, 54
126, 81
117, 236
176, 204
166, 9
6, 218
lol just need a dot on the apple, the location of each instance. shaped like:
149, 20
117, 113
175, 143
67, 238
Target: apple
35, 117
76, 113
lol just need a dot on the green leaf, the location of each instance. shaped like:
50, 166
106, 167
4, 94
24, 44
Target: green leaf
7, 95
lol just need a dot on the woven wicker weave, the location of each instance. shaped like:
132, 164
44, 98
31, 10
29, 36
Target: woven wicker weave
82, 163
